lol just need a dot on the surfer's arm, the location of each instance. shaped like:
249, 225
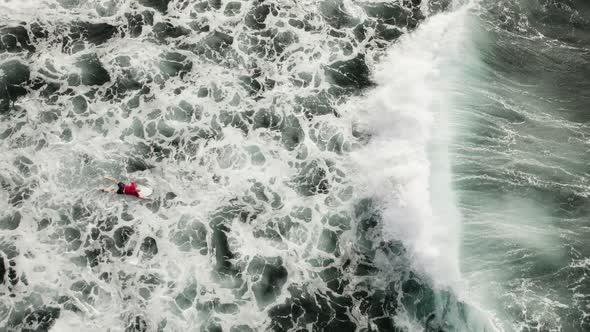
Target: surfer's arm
111, 179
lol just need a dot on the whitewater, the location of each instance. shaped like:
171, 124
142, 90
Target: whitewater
317, 165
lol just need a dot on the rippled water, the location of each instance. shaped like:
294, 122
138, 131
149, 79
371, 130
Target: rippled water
316, 166
521, 163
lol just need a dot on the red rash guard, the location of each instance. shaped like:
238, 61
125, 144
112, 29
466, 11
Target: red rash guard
131, 190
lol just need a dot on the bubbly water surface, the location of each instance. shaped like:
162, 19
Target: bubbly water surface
328, 165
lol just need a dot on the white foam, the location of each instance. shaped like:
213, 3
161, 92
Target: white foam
407, 118
406, 164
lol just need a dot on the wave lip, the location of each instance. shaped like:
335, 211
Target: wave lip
406, 165
406, 119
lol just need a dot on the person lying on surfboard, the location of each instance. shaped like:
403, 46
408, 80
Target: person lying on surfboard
123, 189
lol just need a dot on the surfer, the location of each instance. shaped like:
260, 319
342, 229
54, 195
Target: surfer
123, 189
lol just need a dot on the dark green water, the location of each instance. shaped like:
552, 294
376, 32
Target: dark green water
521, 163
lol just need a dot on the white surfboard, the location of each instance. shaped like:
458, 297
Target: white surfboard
144, 191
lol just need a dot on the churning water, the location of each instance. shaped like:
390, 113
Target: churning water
330, 165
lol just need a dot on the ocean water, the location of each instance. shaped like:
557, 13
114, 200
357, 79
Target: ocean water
329, 165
